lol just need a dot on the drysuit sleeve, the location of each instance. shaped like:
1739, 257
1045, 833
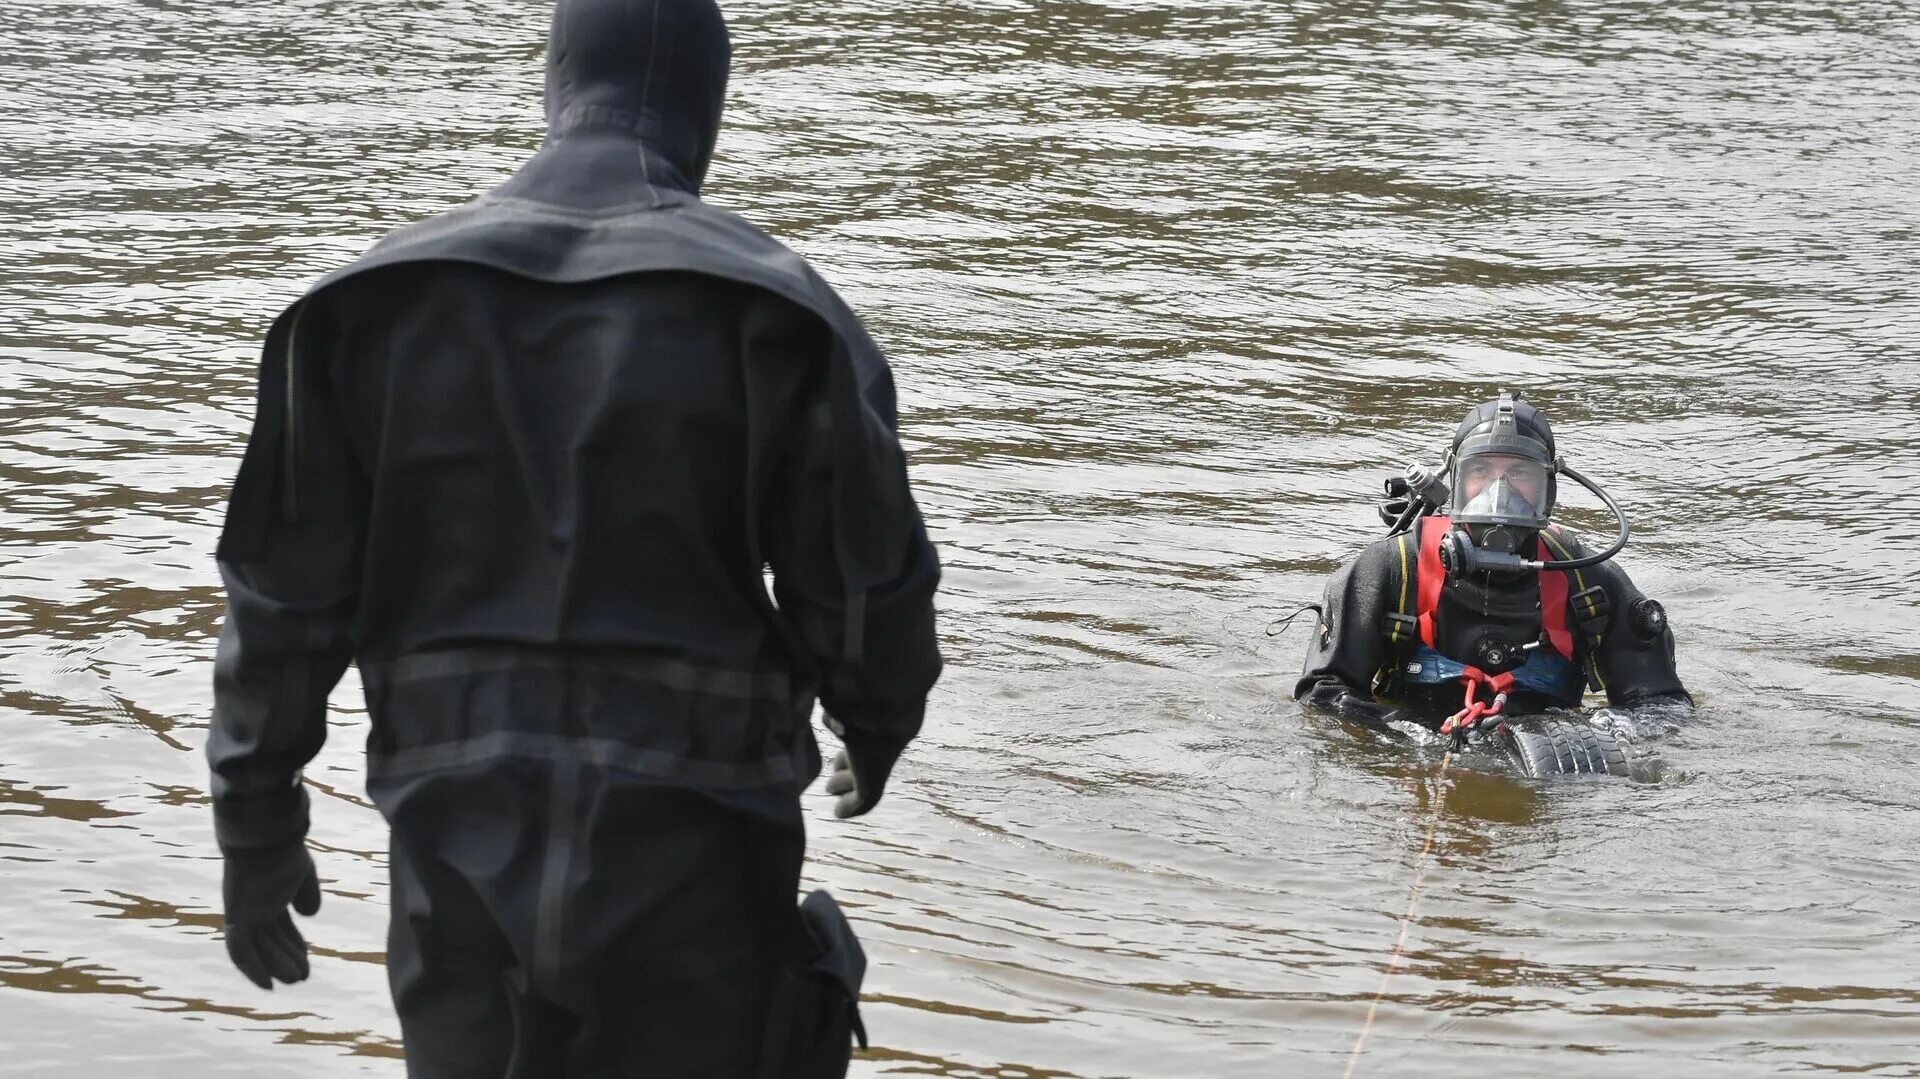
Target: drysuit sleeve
875, 687
289, 557
1632, 659
1347, 647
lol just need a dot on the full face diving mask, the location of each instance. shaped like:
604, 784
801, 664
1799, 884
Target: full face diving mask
1502, 489
1504, 484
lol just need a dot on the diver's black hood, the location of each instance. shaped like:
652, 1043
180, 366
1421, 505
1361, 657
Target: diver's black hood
634, 94
1528, 421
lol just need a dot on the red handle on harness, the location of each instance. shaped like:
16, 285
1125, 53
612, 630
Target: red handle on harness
1473, 710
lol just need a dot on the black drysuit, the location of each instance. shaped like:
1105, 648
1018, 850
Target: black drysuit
526, 463
1352, 663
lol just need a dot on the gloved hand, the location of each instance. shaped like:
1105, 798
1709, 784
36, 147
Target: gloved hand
1369, 711
860, 771
1649, 719
1335, 697
257, 887
1611, 720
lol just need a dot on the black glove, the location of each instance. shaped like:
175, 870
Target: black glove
258, 886
1367, 710
860, 771
1337, 698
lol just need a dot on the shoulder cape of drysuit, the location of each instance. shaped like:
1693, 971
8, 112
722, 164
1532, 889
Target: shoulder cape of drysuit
672, 231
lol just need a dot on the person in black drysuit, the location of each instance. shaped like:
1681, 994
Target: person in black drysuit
525, 463
1386, 649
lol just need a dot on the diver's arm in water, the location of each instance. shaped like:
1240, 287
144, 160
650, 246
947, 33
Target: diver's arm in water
873, 688
1347, 647
1628, 653
1633, 661
290, 558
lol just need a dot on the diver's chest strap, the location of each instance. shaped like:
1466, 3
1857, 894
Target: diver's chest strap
1553, 609
1432, 577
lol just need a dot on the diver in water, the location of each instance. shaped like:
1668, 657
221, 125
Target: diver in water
1476, 606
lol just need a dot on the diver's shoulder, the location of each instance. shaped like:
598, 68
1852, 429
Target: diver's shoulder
1385, 553
1564, 542
774, 255
1566, 538
1611, 574
742, 230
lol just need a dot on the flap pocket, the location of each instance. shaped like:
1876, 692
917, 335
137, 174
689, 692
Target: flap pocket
815, 1013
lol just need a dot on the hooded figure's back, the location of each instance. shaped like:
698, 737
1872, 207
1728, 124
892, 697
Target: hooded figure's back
527, 463
583, 412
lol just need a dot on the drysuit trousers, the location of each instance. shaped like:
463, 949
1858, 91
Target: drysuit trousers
559, 921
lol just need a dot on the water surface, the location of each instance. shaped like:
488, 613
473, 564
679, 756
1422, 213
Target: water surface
1168, 288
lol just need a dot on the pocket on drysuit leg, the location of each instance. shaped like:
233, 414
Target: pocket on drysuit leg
815, 1012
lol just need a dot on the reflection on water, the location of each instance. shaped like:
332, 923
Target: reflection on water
1168, 289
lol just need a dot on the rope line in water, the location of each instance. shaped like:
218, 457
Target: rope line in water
1406, 921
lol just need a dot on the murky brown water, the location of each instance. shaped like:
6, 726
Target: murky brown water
1168, 287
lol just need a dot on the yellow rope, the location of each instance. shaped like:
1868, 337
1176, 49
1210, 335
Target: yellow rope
1406, 921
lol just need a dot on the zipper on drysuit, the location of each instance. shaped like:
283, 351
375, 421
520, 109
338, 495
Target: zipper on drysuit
290, 444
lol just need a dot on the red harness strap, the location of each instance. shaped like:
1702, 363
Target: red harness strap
1553, 605
1431, 574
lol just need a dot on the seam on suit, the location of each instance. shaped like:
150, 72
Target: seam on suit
572, 749
671, 673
